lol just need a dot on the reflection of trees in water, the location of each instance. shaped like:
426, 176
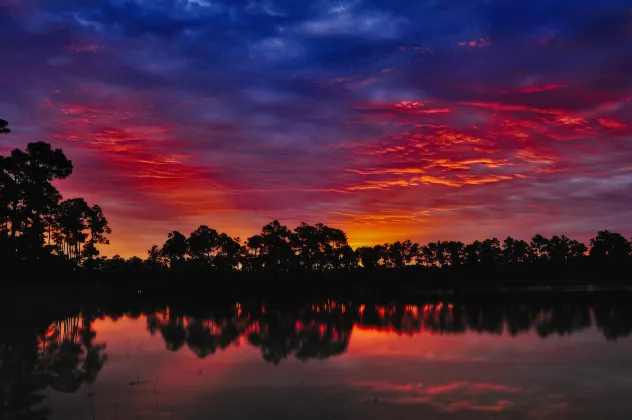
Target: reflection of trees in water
61, 358
613, 321
203, 334
22, 378
69, 354
308, 334
324, 329
507, 318
278, 332
65, 356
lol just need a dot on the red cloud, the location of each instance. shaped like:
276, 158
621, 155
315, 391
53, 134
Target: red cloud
389, 386
442, 389
475, 43
85, 48
136, 169
433, 390
493, 159
474, 405
487, 387
431, 154
612, 124
535, 89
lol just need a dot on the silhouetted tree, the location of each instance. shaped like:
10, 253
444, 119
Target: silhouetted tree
28, 196
456, 253
155, 259
230, 253
253, 260
135, 265
490, 251
203, 244
321, 248
175, 248
609, 245
472, 253
558, 249
98, 227
516, 251
434, 254
539, 248
308, 242
116, 264
272, 249
370, 256
400, 254
72, 222
4, 127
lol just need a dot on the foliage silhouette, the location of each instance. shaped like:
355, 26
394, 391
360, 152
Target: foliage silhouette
35, 225
4, 127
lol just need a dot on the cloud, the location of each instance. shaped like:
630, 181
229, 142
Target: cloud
388, 386
85, 48
459, 396
474, 405
266, 7
372, 24
276, 49
442, 389
439, 389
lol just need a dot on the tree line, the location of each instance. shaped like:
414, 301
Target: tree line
319, 248
38, 228
36, 225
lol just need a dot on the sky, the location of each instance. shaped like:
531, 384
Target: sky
427, 120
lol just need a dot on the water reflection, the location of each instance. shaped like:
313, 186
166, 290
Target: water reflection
324, 329
61, 358
65, 356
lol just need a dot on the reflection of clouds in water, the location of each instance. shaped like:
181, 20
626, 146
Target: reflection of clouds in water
449, 397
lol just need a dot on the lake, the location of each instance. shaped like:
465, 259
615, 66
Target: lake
544, 359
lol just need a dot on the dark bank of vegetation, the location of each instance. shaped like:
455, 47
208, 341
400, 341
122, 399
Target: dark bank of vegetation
47, 239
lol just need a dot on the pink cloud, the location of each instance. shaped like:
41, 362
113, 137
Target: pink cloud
474, 405
85, 48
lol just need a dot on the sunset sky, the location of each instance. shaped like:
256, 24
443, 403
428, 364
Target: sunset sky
428, 119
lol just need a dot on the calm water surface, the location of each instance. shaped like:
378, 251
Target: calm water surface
337, 361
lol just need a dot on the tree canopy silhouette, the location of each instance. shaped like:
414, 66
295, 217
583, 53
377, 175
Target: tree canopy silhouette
35, 224
4, 127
